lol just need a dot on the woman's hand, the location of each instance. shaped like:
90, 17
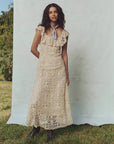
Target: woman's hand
67, 81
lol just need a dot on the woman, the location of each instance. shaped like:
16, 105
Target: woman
49, 106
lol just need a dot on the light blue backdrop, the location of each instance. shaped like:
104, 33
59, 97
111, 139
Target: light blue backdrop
90, 58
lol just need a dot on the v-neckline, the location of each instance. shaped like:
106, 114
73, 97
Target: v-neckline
52, 36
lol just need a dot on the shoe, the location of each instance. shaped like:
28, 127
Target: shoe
49, 135
33, 132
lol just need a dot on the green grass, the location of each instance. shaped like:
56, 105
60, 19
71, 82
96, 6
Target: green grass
74, 134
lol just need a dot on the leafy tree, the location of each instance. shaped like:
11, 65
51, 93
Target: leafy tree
6, 43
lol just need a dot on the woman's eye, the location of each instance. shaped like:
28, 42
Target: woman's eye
52, 12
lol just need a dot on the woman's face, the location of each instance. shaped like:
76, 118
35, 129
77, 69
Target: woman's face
53, 14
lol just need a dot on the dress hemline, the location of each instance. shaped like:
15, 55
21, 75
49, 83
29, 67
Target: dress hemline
62, 126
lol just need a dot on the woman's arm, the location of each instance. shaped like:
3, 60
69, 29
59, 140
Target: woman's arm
65, 58
35, 43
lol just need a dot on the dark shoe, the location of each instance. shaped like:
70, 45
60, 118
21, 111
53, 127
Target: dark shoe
34, 131
49, 135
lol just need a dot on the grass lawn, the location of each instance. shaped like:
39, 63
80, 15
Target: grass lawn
74, 134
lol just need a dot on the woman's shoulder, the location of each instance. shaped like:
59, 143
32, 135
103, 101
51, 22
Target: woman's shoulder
40, 27
66, 32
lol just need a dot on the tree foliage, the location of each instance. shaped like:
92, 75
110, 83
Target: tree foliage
6, 43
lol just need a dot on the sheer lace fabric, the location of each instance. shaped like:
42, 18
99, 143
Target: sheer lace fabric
49, 105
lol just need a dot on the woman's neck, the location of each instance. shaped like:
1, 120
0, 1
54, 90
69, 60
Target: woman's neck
53, 24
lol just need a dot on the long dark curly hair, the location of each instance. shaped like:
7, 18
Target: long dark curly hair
46, 21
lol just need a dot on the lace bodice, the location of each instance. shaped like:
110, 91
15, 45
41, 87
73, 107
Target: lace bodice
48, 40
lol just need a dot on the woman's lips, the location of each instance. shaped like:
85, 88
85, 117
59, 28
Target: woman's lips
53, 17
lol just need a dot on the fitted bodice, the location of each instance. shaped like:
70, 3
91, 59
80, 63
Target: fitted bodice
51, 49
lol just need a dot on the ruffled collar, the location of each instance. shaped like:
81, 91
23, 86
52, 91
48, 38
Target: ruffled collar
49, 40
51, 36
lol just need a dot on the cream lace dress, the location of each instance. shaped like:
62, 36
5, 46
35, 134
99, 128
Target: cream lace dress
49, 105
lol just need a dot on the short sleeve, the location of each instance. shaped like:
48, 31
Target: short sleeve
66, 33
41, 28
